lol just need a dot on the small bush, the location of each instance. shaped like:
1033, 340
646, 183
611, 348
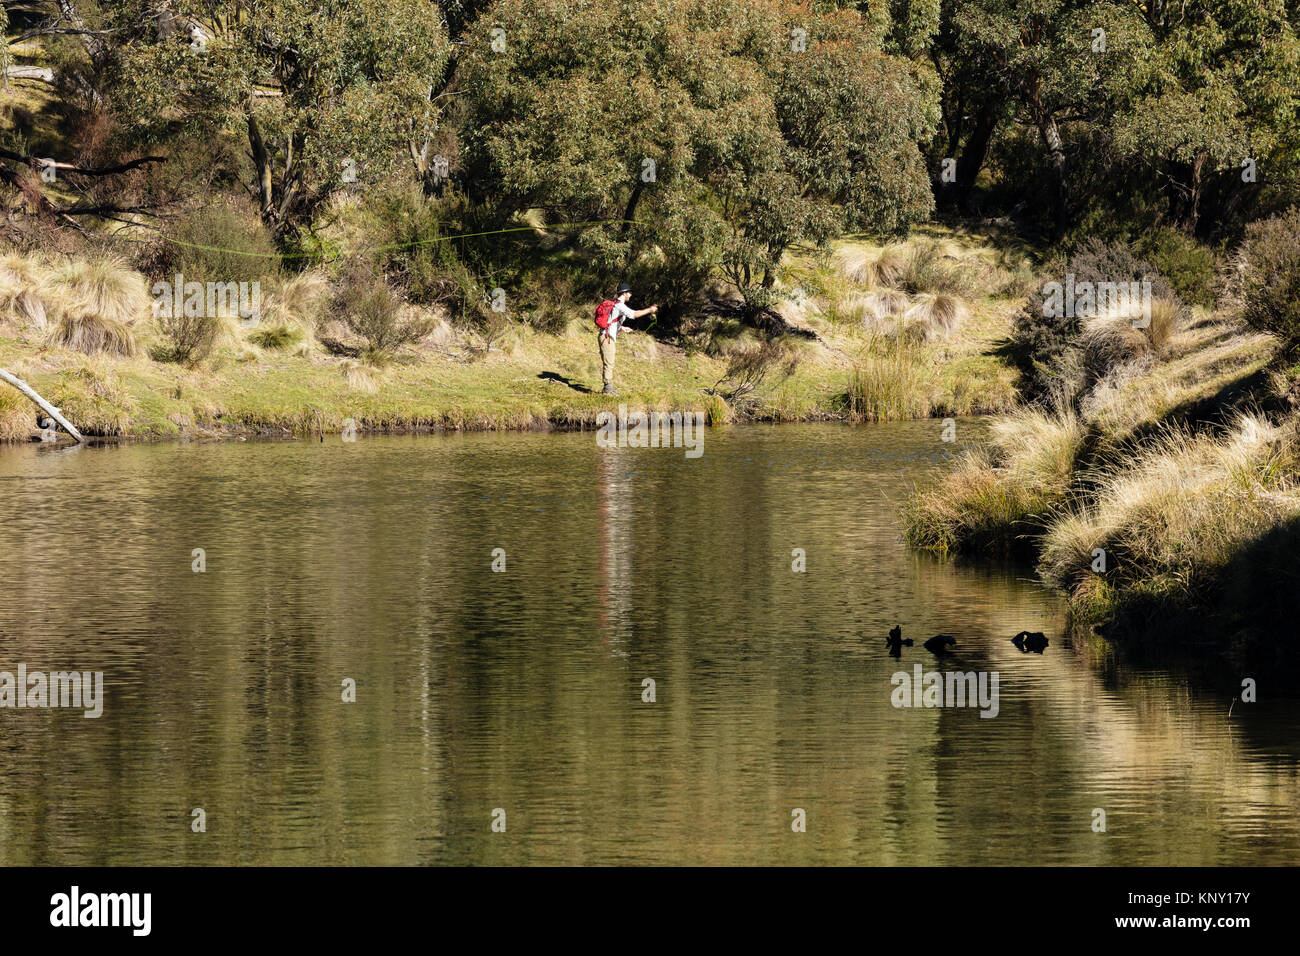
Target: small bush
1267, 280
411, 229
222, 242
1015, 281
187, 339
750, 368
550, 301
370, 308
1187, 264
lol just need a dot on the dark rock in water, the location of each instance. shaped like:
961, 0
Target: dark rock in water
1030, 641
939, 644
895, 641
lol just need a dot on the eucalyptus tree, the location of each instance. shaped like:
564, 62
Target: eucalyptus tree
327, 92
1219, 96
713, 133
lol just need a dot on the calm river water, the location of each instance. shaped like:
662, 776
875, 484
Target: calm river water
484, 694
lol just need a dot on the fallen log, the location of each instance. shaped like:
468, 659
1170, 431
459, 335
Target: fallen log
45, 406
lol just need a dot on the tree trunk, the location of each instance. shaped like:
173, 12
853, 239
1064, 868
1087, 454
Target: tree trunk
975, 152
630, 211
1051, 135
49, 409
42, 73
95, 46
1196, 184
262, 163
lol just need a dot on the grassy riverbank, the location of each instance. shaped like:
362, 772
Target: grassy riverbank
869, 332
1165, 502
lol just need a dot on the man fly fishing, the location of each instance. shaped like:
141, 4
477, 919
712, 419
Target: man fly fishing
610, 316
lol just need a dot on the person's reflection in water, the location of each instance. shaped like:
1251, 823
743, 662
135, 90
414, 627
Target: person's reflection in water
612, 523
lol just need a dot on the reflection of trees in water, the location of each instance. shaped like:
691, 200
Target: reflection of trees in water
479, 690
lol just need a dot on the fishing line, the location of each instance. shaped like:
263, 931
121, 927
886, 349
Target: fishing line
383, 248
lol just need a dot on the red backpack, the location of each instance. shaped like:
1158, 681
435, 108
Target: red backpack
603, 312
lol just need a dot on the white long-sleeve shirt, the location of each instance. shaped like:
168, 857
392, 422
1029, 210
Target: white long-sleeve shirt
617, 316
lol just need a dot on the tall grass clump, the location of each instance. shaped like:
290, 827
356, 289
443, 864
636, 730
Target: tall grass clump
95, 304
1050, 349
1176, 518
933, 266
94, 399
937, 314
17, 415
857, 266
291, 313
21, 279
1000, 496
889, 267
889, 385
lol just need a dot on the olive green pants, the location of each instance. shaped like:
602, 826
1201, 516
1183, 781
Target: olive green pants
606, 343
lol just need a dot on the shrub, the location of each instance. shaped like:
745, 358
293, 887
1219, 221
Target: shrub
187, 339
411, 230
1267, 281
369, 307
550, 301
222, 242
750, 368
1187, 264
